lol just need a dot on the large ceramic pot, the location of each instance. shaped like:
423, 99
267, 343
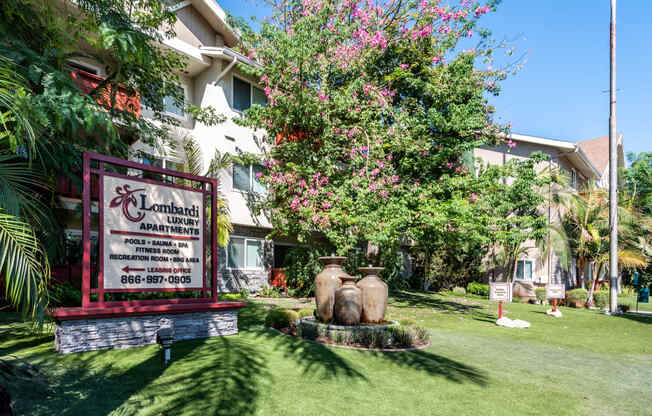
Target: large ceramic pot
348, 303
374, 295
326, 283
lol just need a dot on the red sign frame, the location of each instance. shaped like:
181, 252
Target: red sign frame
208, 189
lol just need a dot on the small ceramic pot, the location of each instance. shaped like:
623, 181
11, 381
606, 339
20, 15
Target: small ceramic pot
348, 303
326, 283
374, 295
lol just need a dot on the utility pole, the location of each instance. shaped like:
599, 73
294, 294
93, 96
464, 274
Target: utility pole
613, 166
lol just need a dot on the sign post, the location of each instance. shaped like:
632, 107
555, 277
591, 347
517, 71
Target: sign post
554, 292
500, 291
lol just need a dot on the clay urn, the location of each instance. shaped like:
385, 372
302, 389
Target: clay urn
326, 283
348, 302
374, 295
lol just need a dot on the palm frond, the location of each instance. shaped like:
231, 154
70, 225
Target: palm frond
23, 266
627, 258
193, 156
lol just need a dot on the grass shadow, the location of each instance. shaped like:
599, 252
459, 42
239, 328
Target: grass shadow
642, 318
404, 299
216, 376
220, 376
315, 359
435, 365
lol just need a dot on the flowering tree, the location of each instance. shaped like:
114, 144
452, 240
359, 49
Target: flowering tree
372, 112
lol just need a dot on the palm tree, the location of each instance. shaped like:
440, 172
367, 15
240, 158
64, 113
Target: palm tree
586, 223
24, 266
193, 165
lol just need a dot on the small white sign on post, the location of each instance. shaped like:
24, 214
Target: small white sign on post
500, 291
555, 291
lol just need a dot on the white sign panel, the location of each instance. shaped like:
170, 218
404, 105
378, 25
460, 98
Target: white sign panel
554, 291
500, 291
153, 236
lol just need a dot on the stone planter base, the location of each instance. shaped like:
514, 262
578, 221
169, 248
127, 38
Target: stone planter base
98, 333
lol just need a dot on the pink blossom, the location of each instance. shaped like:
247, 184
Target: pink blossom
511, 144
404, 66
474, 197
259, 174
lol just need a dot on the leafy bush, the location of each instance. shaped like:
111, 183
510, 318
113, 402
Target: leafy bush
281, 318
301, 265
541, 294
601, 298
244, 293
580, 295
459, 291
269, 292
479, 289
629, 291
65, 294
306, 312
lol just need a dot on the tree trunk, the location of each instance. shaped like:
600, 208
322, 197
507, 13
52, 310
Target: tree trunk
594, 281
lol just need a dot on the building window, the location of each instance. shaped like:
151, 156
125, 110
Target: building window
245, 253
574, 179
245, 94
245, 178
169, 104
525, 270
160, 163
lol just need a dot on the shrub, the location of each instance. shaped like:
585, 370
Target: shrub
244, 293
65, 294
281, 318
629, 291
479, 289
541, 294
579, 295
269, 292
301, 265
306, 312
601, 298
459, 291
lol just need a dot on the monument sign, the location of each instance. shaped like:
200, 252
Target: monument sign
154, 236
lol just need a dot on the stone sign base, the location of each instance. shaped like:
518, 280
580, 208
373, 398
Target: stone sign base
88, 332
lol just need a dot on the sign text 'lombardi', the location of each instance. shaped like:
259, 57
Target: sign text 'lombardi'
153, 235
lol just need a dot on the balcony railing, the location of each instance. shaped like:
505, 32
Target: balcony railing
125, 100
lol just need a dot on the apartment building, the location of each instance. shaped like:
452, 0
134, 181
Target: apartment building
584, 163
211, 78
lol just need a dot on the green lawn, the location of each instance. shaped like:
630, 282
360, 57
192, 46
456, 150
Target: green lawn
583, 364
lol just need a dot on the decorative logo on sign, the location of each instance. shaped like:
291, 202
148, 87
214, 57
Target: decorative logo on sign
126, 198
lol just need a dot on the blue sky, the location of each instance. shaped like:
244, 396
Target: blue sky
561, 91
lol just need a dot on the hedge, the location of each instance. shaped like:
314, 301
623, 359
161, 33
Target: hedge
479, 289
281, 318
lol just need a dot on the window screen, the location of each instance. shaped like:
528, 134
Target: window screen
524, 270
254, 254
241, 177
259, 97
259, 188
241, 94
236, 253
